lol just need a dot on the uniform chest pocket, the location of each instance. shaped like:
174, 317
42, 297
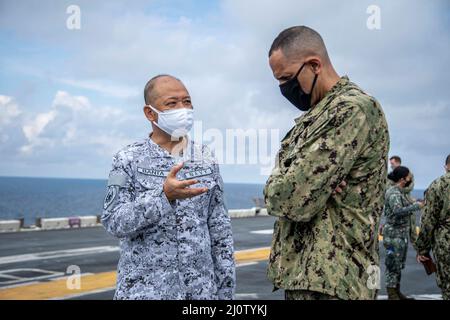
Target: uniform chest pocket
204, 199
291, 155
150, 178
316, 125
205, 182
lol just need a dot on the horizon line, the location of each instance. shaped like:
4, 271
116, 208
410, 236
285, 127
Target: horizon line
101, 179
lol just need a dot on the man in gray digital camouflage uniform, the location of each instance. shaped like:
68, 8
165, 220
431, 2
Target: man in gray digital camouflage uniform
165, 204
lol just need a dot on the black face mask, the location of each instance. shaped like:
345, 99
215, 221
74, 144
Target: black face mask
408, 183
293, 91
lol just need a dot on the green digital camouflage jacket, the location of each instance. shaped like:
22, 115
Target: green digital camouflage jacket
435, 223
398, 210
322, 241
412, 218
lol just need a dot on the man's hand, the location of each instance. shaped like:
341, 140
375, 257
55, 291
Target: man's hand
422, 259
175, 189
339, 188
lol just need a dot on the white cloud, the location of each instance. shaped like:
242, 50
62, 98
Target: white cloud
34, 128
8, 110
222, 58
9, 113
76, 103
113, 90
73, 123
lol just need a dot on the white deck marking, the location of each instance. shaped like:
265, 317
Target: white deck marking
239, 296
16, 279
246, 264
265, 231
56, 254
417, 296
246, 296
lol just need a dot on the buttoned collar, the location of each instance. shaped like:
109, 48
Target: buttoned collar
155, 150
322, 104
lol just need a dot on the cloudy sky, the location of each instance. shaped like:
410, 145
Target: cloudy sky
70, 98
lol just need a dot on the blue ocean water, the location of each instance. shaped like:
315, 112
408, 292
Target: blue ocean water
30, 198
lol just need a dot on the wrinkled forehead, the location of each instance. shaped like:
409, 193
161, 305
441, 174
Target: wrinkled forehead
281, 65
169, 87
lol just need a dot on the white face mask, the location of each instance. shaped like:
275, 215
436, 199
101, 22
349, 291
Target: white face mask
176, 122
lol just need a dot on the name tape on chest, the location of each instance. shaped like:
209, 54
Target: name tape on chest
185, 175
153, 172
197, 173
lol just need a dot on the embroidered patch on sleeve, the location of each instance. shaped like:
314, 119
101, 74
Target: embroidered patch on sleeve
111, 194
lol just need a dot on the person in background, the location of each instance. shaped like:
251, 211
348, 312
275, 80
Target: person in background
435, 229
397, 212
396, 161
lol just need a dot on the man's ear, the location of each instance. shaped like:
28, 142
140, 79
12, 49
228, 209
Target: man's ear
150, 114
316, 65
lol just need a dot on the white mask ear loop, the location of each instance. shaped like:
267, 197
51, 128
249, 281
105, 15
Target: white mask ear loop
153, 108
157, 112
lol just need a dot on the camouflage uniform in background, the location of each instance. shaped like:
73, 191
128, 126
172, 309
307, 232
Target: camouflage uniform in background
307, 295
407, 192
435, 230
324, 243
168, 250
396, 231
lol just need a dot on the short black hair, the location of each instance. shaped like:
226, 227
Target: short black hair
149, 90
396, 158
398, 173
447, 160
298, 41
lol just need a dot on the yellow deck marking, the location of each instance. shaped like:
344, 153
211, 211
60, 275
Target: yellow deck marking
258, 254
92, 282
380, 236
58, 288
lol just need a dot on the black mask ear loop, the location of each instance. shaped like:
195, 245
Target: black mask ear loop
314, 81
313, 84
298, 72
312, 87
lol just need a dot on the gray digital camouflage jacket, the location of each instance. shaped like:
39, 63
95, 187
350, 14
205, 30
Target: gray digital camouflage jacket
168, 250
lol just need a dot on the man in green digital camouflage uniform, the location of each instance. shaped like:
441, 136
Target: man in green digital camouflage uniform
396, 161
396, 231
325, 243
435, 229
